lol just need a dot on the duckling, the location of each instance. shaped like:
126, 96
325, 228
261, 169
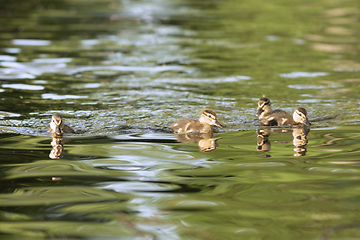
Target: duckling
279, 117
207, 118
269, 117
300, 117
57, 125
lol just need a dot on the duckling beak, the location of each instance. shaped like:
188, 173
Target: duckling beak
58, 130
216, 123
306, 122
259, 112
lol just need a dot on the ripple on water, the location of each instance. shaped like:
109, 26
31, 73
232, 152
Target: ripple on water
132, 146
8, 114
309, 101
52, 60
126, 187
31, 42
145, 137
7, 58
333, 170
40, 81
263, 164
181, 157
270, 197
77, 70
302, 74
202, 80
306, 86
54, 195
89, 103
23, 87
60, 97
198, 204
92, 85
8, 73
11, 50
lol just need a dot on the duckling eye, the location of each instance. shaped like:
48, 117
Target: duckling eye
210, 116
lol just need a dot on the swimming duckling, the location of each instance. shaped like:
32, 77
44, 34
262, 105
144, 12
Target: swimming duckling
57, 125
207, 118
279, 117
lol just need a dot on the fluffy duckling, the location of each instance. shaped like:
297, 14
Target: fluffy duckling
207, 118
279, 117
57, 125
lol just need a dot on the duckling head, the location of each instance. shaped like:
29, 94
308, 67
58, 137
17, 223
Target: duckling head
264, 106
208, 116
300, 116
57, 124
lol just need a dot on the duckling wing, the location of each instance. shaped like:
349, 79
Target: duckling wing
268, 121
282, 118
185, 125
68, 129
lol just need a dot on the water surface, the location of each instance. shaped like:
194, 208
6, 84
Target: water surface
121, 71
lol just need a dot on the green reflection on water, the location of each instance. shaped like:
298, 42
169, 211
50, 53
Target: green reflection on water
148, 185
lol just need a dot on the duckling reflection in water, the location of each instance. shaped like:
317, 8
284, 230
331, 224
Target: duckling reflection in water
278, 117
300, 141
207, 118
206, 142
57, 126
57, 147
262, 140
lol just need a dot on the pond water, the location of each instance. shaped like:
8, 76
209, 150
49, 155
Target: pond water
121, 71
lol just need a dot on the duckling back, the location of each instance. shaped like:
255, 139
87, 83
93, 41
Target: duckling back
276, 118
188, 125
